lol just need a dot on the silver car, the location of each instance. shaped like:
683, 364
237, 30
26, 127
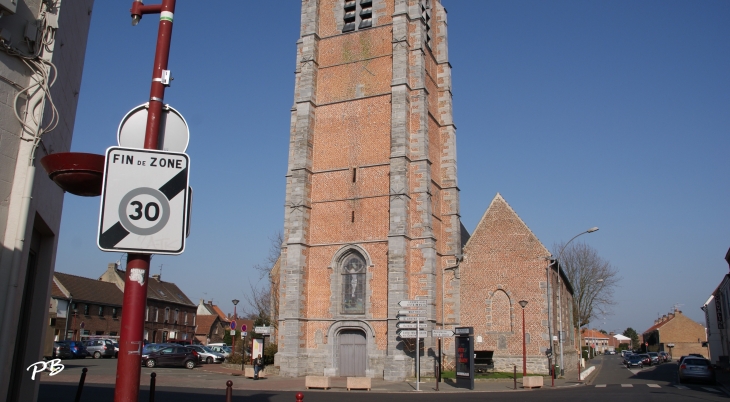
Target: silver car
100, 348
206, 354
696, 368
222, 350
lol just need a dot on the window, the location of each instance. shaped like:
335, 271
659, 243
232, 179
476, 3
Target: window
185, 317
157, 314
101, 311
114, 333
353, 284
177, 314
193, 319
115, 311
147, 314
357, 14
167, 314
86, 309
426, 15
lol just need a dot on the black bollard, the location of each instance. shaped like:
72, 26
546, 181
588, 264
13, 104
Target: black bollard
152, 386
515, 377
229, 391
300, 397
81, 384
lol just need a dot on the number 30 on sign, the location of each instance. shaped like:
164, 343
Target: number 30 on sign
144, 201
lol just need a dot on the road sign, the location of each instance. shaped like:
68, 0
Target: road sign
174, 133
411, 319
412, 334
263, 330
413, 303
233, 332
144, 201
442, 333
244, 333
244, 327
233, 324
412, 312
411, 325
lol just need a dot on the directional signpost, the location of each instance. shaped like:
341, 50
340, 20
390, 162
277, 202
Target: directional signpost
411, 325
409, 333
407, 319
442, 333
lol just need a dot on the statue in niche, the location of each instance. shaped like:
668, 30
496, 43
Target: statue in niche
353, 284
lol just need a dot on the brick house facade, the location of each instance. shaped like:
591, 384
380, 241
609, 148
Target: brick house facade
170, 315
504, 263
676, 329
77, 300
372, 207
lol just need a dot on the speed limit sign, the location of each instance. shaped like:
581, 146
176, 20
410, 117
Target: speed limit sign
144, 201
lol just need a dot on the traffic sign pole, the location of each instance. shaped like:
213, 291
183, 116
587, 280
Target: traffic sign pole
129, 363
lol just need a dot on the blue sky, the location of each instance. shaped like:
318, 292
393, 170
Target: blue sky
609, 114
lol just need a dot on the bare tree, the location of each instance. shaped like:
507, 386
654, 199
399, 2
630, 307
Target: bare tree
594, 280
262, 299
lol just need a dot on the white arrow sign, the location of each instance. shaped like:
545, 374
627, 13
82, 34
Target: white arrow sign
412, 312
411, 319
411, 325
413, 303
441, 333
262, 330
412, 334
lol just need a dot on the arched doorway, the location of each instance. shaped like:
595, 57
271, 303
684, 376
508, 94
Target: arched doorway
353, 353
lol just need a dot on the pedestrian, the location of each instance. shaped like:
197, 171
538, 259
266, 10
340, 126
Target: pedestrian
258, 365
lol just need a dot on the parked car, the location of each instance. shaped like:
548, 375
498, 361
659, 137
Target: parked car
665, 357
696, 368
634, 361
207, 354
176, 355
116, 350
222, 350
654, 358
77, 348
62, 351
646, 359
99, 348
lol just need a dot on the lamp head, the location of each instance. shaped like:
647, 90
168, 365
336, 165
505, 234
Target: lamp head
593, 229
523, 303
235, 302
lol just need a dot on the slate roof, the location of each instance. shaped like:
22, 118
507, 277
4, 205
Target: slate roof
163, 291
593, 334
88, 290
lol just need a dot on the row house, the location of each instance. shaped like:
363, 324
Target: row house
84, 307
597, 341
676, 334
170, 314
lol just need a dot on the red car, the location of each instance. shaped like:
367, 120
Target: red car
646, 359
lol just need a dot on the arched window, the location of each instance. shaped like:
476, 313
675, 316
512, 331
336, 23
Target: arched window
353, 283
501, 314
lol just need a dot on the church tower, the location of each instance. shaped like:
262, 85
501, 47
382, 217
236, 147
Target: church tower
372, 203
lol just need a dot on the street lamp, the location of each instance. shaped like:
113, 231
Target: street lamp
235, 303
560, 308
523, 304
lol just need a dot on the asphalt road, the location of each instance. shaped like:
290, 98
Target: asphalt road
610, 382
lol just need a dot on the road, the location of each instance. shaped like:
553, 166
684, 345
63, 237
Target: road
610, 382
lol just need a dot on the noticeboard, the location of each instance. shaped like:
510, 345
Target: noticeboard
464, 342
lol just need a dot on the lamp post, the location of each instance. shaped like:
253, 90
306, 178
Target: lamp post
523, 304
560, 308
235, 303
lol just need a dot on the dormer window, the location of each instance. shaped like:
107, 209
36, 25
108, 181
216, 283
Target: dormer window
357, 14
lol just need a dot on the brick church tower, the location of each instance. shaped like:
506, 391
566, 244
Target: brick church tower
372, 203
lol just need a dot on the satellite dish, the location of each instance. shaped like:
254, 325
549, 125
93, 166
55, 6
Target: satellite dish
174, 133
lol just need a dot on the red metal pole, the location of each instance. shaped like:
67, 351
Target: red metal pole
138, 265
524, 346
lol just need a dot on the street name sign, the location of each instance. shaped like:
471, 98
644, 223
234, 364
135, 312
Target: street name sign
144, 201
413, 303
412, 334
411, 319
411, 325
412, 312
442, 333
262, 330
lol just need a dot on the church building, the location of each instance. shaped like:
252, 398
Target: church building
372, 203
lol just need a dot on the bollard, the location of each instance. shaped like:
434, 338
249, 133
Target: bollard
152, 386
229, 390
300, 397
81, 384
515, 377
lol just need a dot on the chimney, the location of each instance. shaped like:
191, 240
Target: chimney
670, 315
111, 266
664, 317
156, 277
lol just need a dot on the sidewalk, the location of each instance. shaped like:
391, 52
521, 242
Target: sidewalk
428, 385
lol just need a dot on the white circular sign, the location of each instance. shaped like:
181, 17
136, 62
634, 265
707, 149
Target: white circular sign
144, 211
174, 133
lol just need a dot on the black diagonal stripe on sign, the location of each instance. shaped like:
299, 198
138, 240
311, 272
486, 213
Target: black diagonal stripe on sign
175, 185
113, 235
